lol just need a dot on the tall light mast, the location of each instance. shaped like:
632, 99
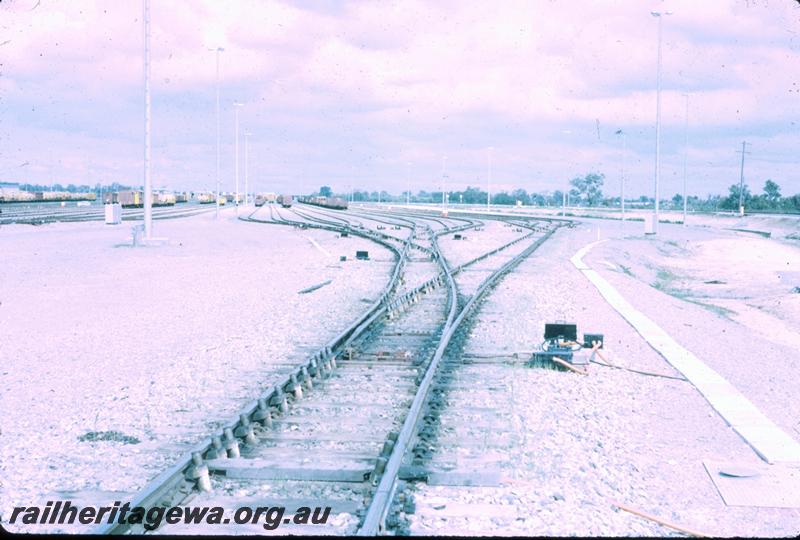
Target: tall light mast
148, 188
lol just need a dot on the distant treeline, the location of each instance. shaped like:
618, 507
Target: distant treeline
587, 191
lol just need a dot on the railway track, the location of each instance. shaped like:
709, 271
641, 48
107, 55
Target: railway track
463, 436
337, 429
179, 483
55, 214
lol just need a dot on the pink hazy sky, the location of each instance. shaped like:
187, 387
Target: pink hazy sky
373, 94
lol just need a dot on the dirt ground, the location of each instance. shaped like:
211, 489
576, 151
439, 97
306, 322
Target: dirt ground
109, 354
570, 443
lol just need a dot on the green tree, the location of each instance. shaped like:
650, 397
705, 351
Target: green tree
502, 198
772, 192
538, 199
325, 191
589, 188
473, 195
521, 195
731, 202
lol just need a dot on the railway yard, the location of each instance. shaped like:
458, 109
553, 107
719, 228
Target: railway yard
375, 361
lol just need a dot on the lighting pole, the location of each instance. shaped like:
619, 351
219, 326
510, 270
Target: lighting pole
444, 184
489, 179
236, 106
685, 153
246, 184
148, 188
622, 174
216, 214
408, 184
741, 180
658, 15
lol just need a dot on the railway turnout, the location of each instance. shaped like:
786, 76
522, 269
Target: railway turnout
345, 425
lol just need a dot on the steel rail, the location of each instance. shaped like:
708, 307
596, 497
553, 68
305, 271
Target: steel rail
73, 216
374, 521
382, 235
176, 482
368, 214
429, 217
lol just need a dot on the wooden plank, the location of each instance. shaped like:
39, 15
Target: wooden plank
445, 508
297, 460
314, 287
313, 455
214, 498
503, 440
266, 470
332, 437
475, 385
462, 477
364, 363
353, 368
302, 417
300, 405
447, 464
312, 430
765, 234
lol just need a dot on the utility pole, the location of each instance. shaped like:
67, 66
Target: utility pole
444, 184
741, 179
489, 180
216, 202
408, 184
685, 153
622, 174
246, 185
148, 188
236, 106
658, 117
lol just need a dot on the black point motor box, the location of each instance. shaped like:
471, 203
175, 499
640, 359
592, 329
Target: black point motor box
362, 255
589, 338
567, 332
